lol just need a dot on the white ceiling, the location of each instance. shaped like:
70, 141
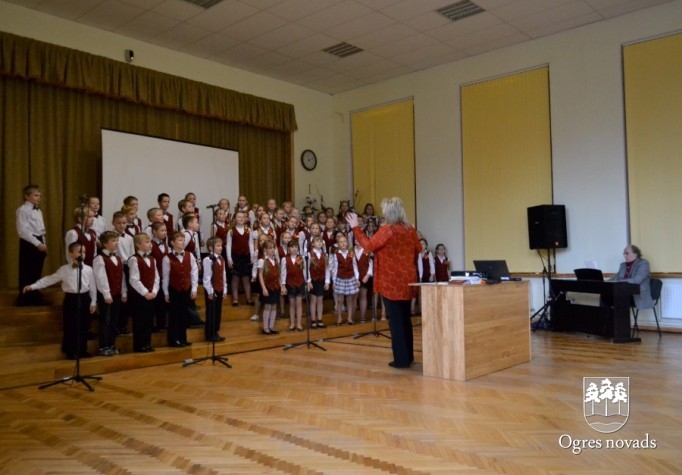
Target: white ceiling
284, 39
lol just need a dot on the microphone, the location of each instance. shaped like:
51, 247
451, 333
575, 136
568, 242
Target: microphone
212, 206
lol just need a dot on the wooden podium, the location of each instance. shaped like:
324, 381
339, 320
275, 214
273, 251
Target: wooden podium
473, 330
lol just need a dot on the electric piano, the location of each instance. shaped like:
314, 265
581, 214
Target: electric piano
611, 319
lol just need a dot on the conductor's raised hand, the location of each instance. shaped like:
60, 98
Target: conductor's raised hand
352, 219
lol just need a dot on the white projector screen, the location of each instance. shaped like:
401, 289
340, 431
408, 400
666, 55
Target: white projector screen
146, 166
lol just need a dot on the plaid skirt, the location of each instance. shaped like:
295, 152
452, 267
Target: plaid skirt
345, 286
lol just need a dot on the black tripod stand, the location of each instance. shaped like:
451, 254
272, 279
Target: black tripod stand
77, 376
212, 324
549, 299
374, 331
307, 341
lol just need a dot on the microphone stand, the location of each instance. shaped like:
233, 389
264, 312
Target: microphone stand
374, 331
547, 274
307, 341
213, 358
77, 376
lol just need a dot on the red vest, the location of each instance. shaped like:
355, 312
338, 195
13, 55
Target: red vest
147, 274
344, 269
426, 267
363, 264
317, 266
218, 278
114, 274
240, 242
132, 229
271, 275
159, 254
294, 272
282, 252
168, 219
191, 245
329, 241
221, 232
180, 271
89, 245
442, 270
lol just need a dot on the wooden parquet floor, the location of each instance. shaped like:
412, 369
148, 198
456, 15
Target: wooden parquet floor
345, 411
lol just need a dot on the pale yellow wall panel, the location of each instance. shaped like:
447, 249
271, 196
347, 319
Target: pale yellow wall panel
383, 155
506, 165
653, 103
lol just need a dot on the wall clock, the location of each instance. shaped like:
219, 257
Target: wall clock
308, 159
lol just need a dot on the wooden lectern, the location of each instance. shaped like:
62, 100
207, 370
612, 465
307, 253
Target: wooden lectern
473, 330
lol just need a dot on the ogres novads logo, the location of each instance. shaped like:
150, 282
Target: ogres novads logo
606, 403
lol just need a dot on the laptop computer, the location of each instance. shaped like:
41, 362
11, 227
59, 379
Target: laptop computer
495, 270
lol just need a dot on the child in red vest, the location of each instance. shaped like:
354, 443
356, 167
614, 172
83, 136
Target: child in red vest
180, 282
111, 291
293, 285
144, 285
318, 280
215, 287
269, 277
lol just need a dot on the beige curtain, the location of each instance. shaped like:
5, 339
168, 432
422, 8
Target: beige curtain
54, 103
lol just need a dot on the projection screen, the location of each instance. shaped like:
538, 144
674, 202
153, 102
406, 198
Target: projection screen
145, 166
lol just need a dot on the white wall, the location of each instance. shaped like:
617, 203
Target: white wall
588, 138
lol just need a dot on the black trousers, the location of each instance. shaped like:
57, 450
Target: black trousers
178, 315
160, 311
108, 320
30, 270
214, 314
75, 318
400, 324
143, 318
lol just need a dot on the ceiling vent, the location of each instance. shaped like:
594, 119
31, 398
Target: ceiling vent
205, 4
342, 50
460, 10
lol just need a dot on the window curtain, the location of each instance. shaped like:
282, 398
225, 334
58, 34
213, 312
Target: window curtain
652, 73
55, 101
507, 165
383, 156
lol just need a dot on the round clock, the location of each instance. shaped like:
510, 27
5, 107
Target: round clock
308, 160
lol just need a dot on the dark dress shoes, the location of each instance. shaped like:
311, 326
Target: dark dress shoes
393, 364
176, 344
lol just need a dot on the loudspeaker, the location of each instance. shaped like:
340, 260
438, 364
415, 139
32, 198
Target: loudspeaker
547, 227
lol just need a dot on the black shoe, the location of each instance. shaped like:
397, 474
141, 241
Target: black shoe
235, 304
274, 332
265, 332
393, 364
214, 339
186, 343
176, 344
150, 349
321, 324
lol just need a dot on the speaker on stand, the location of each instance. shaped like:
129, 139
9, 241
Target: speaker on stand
546, 230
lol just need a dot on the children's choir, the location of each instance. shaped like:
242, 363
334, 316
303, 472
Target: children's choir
151, 272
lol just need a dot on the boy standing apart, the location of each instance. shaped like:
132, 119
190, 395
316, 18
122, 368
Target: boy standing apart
32, 248
79, 301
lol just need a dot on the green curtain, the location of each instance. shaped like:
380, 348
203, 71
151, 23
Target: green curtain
50, 132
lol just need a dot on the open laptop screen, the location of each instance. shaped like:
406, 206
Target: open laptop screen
493, 270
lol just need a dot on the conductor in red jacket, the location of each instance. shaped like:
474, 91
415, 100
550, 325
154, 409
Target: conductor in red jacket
396, 248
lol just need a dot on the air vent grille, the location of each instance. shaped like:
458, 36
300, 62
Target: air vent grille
342, 50
205, 4
460, 10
